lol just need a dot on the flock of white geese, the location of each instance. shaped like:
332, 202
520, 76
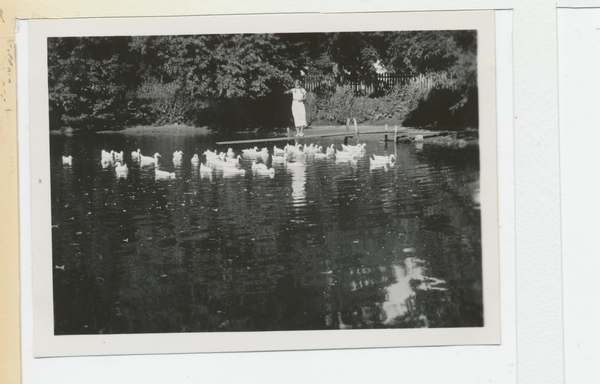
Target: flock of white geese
229, 163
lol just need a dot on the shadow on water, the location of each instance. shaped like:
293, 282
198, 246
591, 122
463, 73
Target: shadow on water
322, 244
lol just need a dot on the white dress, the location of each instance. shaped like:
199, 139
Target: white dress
298, 109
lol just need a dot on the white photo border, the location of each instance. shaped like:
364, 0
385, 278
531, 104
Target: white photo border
47, 344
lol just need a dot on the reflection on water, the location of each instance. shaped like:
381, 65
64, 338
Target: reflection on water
317, 243
410, 278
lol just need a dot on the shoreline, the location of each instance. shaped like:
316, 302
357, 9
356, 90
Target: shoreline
278, 132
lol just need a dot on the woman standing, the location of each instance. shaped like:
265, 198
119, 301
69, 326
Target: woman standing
298, 110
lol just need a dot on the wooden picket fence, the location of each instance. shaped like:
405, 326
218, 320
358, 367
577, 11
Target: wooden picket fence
383, 82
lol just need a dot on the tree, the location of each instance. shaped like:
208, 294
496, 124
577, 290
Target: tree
88, 80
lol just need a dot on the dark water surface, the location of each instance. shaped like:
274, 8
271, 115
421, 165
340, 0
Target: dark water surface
330, 244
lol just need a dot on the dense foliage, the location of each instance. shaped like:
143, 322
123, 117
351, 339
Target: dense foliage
238, 80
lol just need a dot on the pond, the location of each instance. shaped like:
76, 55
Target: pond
320, 243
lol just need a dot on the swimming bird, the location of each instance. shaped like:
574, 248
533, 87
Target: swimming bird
108, 156
195, 160
121, 168
263, 154
233, 171
309, 149
177, 158
163, 174
279, 159
211, 157
387, 159
345, 154
135, 155
373, 165
205, 169
265, 172
258, 166
278, 151
354, 148
234, 161
67, 160
118, 156
330, 151
230, 153
250, 152
149, 160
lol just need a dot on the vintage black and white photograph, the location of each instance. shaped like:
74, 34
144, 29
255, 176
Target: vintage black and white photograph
266, 181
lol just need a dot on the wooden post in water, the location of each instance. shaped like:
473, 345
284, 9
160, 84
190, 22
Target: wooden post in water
385, 137
355, 128
395, 134
348, 125
288, 131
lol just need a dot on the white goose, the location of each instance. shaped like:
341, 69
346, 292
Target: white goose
135, 155
387, 159
163, 174
149, 160
107, 157
345, 154
354, 148
118, 156
250, 152
278, 151
233, 171
263, 154
195, 160
373, 165
330, 151
121, 168
177, 157
265, 172
259, 166
205, 169
234, 161
211, 157
279, 159
230, 153
67, 160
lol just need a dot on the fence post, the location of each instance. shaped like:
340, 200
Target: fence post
395, 134
355, 127
348, 125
